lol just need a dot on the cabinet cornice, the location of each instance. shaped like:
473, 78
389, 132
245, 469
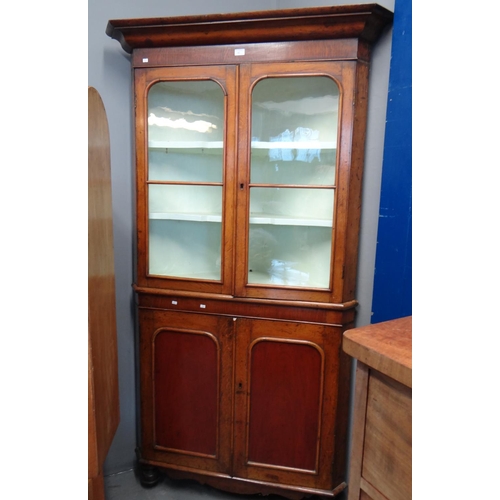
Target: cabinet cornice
365, 21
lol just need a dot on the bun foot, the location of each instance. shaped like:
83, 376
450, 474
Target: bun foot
149, 476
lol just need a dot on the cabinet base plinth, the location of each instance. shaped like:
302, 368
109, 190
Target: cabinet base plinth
248, 486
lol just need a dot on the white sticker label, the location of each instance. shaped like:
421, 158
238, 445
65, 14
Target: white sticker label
174, 302
145, 59
239, 52
203, 306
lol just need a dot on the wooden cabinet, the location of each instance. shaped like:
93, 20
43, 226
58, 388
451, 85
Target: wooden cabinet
249, 146
380, 464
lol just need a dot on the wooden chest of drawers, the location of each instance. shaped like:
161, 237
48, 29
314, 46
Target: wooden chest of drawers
380, 462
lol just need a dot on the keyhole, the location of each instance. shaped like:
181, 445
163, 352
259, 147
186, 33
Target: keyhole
242, 185
240, 385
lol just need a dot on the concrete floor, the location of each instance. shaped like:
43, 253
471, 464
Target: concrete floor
126, 486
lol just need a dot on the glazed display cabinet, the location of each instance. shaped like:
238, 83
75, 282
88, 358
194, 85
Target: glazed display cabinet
249, 143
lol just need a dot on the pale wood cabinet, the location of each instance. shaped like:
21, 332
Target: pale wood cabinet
249, 140
381, 451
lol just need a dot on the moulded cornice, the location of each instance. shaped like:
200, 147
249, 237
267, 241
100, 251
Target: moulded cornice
365, 21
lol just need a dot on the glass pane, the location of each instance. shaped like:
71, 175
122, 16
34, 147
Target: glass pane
294, 130
185, 231
290, 236
172, 165
290, 255
185, 139
186, 131
289, 206
176, 200
186, 249
294, 143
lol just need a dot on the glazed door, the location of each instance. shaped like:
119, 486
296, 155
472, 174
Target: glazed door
289, 201
186, 389
286, 402
185, 177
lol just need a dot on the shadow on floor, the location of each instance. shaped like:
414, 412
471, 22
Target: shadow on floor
126, 486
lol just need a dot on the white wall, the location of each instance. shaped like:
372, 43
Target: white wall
110, 73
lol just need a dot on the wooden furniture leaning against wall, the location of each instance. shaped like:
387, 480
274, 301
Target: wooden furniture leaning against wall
249, 147
103, 402
380, 465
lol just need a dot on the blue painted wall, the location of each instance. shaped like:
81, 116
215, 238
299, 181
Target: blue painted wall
392, 297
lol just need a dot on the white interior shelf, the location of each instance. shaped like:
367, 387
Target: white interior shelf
276, 220
195, 145
186, 217
189, 274
265, 145
281, 220
294, 145
288, 277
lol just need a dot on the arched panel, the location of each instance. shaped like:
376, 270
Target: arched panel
286, 381
186, 391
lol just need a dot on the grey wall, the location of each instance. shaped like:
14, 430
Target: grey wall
110, 73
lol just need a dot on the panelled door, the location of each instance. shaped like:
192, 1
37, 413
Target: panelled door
186, 389
285, 387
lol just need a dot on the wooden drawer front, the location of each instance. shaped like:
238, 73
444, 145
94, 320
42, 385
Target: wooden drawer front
388, 437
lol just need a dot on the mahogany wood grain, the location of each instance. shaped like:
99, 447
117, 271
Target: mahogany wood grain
285, 400
186, 389
316, 23
327, 50
353, 147
316, 312
339, 464
103, 398
318, 340
186, 383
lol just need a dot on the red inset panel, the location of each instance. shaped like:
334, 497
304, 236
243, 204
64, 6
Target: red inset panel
285, 387
185, 388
